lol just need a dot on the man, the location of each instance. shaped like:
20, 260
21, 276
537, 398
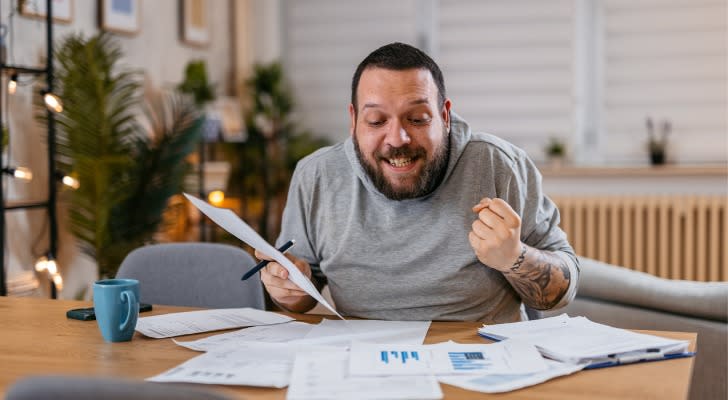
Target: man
414, 217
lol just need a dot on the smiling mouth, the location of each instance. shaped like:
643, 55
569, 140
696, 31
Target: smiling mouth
400, 162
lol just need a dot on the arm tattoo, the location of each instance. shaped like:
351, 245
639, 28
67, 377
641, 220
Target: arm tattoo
541, 279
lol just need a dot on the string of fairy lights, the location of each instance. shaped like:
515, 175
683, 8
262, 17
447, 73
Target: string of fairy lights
15, 76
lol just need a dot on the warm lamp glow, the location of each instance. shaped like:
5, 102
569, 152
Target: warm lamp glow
23, 173
216, 197
52, 267
13, 84
58, 281
41, 264
53, 102
48, 263
71, 182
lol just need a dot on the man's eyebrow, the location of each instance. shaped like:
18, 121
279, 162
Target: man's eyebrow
423, 100
370, 105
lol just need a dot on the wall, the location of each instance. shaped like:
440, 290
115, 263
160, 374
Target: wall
156, 49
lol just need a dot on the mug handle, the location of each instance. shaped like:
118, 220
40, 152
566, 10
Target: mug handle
130, 302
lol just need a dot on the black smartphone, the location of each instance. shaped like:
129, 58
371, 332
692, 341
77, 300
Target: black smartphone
87, 314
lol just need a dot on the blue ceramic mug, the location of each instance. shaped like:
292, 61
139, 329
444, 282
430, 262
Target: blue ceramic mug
116, 304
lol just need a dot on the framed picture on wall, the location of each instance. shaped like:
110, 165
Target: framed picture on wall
120, 16
195, 24
62, 9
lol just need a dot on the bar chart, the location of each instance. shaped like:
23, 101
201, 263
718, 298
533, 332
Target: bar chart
403, 356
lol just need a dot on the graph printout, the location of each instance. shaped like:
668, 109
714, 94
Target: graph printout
444, 359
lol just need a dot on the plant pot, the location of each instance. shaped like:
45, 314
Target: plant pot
657, 158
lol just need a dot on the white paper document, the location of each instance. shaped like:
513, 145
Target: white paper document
578, 340
508, 357
269, 334
186, 323
324, 376
341, 333
499, 383
227, 220
249, 364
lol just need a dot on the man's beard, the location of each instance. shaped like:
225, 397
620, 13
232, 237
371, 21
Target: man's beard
430, 177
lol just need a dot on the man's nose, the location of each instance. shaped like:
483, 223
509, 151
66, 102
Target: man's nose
397, 136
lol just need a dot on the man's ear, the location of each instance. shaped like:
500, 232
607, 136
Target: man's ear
446, 113
352, 115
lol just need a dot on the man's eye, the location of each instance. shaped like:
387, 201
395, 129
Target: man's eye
419, 121
375, 123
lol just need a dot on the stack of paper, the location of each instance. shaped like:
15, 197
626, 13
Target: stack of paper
186, 323
580, 341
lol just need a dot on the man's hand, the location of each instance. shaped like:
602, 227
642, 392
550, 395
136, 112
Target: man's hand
284, 292
496, 234
541, 277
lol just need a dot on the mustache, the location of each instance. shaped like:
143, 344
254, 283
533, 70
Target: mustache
402, 152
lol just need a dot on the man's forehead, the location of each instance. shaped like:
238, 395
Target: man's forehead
409, 87
421, 75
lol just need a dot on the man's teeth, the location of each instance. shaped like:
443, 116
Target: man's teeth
399, 162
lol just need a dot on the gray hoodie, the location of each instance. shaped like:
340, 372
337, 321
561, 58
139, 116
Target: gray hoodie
411, 259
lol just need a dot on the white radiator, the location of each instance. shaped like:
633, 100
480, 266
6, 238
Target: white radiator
671, 236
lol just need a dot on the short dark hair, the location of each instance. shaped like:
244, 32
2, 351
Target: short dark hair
399, 56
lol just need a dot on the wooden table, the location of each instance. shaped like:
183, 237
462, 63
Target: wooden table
37, 338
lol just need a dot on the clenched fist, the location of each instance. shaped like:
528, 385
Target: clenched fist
496, 234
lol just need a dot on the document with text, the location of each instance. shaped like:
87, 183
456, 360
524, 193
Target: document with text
342, 333
249, 364
189, 322
279, 333
499, 383
578, 340
507, 357
324, 376
227, 220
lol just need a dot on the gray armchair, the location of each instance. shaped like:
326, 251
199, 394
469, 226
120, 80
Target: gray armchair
60, 387
628, 299
194, 274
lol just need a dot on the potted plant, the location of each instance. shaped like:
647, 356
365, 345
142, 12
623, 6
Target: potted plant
555, 151
262, 165
196, 83
657, 144
127, 151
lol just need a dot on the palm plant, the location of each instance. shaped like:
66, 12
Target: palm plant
262, 166
128, 166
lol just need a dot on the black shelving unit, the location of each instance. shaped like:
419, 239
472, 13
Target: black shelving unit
50, 203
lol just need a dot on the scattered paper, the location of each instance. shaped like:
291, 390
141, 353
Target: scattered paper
269, 334
578, 340
185, 323
449, 358
341, 333
250, 364
324, 376
227, 220
495, 383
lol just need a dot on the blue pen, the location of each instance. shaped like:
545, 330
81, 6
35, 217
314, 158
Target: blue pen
263, 263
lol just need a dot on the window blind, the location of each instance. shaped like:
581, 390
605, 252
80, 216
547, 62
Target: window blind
665, 59
508, 67
324, 41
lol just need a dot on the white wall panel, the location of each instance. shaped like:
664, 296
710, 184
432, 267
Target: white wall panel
528, 70
666, 60
324, 41
508, 67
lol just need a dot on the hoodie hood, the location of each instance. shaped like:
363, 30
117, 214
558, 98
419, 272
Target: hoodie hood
459, 137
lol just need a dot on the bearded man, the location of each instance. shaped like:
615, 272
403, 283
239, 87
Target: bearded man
416, 217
